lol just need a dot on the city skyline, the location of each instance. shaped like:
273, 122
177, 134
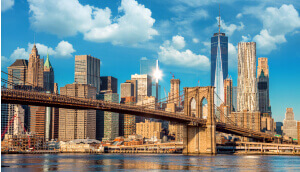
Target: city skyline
128, 56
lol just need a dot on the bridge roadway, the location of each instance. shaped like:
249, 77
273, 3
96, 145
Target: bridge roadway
25, 97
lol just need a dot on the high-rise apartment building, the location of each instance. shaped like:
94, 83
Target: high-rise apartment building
48, 76
75, 123
247, 97
35, 75
174, 92
289, 127
144, 84
108, 122
263, 85
109, 83
228, 89
87, 71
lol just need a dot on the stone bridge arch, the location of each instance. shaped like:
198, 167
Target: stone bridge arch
199, 139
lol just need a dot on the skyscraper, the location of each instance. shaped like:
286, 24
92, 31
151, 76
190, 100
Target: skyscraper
228, 88
48, 76
108, 122
174, 92
87, 70
219, 64
109, 83
247, 97
74, 123
144, 83
35, 75
151, 67
263, 85
289, 127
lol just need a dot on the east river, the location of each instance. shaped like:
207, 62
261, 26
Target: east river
151, 162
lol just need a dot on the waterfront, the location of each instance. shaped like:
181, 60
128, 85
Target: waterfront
140, 162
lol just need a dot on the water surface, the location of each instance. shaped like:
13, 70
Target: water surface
140, 162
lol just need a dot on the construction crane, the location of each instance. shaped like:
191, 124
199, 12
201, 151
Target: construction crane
9, 124
172, 75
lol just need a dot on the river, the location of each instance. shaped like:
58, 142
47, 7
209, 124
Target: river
140, 162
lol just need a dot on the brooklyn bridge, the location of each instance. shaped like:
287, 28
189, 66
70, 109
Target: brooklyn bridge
199, 132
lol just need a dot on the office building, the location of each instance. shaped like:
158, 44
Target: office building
108, 122
151, 67
298, 131
48, 76
228, 93
35, 75
109, 83
127, 122
263, 85
278, 129
289, 128
87, 70
247, 95
174, 92
219, 63
75, 123
149, 129
234, 99
144, 86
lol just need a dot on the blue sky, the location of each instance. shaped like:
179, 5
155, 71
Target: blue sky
177, 32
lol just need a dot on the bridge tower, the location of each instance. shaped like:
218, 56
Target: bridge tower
199, 139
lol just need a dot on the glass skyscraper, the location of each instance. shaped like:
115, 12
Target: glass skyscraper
219, 64
148, 66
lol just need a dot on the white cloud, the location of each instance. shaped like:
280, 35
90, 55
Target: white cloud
207, 46
6, 4
230, 29
178, 42
170, 55
195, 3
232, 56
195, 40
63, 50
266, 43
239, 15
69, 17
277, 23
246, 38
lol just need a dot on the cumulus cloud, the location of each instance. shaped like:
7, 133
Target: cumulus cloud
246, 38
69, 17
6, 4
230, 29
277, 22
170, 55
178, 42
63, 50
195, 40
266, 43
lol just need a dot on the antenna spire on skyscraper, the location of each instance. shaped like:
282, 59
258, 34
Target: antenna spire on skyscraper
219, 19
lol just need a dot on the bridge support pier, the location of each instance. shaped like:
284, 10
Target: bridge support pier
197, 138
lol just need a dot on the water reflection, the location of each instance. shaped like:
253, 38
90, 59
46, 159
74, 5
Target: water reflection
138, 162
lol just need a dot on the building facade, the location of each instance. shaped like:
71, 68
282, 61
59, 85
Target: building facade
149, 129
174, 92
263, 85
144, 86
109, 83
35, 75
74, 123
48, 76
289, 128
108, 122
87, 70
228, 93
247, 95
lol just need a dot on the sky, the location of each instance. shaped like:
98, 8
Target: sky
176, 32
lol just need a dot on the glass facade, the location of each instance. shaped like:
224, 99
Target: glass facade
148, 66
214, 55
